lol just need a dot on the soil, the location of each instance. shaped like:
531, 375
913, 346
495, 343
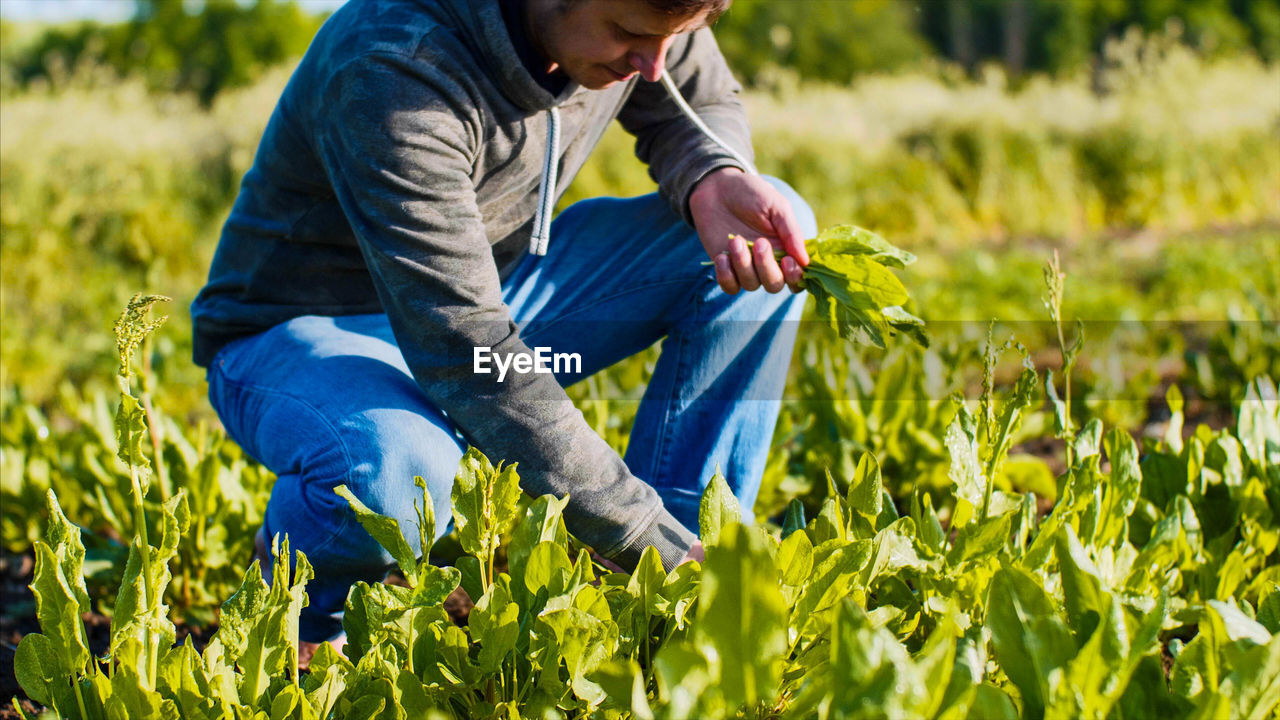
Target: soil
17, 618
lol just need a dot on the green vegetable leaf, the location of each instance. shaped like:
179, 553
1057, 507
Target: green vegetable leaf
386, 531
719, 508
742, 619
852, 240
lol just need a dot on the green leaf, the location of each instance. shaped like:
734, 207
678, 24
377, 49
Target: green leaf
64, 537
472, 582
426, 517
1086, 598
685, 681
795, 558
37, 667
647, 580
326, 681
547, 568
1237, 625
386, 531
892, 550
240, 611
625, 684
543, 522
937, 663
435, 584
719, 508
1088, 441
851, 291
992, 703
182, 678
831, 523
837, 565
131, 699
495, 624
585, 642
795, 518
742, 619
485, 503
1123, 490
131, 431
1031, 642
1061, 423
865, 487
271, 643
1253, 686
966, 470
58, 609
1258, 424
928, 527
680, 591
1269, 609
981, 539
852, 240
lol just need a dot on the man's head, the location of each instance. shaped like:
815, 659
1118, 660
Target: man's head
598, 43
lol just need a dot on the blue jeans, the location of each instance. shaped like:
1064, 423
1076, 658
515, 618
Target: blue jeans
326, 401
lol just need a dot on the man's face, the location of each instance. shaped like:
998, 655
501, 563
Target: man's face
599, 43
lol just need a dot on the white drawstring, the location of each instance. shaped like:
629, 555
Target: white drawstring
547, 189
551, 164
674, 92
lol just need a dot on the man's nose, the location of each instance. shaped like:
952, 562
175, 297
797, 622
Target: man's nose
650, 61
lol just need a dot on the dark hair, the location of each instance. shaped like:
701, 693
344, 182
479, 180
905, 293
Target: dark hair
682, 8
714, 8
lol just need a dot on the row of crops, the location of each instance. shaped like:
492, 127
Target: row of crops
1141, 579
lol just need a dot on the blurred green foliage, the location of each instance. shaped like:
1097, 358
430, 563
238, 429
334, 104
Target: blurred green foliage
207, 47
224, 44
108, 188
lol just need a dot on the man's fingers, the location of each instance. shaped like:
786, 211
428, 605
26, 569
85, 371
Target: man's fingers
740, 258
766, 265
724, 274
793, 272
784, 221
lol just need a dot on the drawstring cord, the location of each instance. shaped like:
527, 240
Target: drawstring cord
674, 92
551, 161
547, 190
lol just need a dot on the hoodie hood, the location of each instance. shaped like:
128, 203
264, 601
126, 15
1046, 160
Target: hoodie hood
482, 27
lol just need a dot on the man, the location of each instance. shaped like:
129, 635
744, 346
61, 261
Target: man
393, 233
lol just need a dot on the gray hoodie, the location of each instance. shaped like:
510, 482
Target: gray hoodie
400, 173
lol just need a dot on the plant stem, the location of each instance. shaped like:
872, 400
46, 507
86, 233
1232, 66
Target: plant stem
79, 698
156, 431
140, 522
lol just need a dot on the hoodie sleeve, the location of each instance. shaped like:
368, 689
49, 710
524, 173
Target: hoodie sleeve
677, 152
396, 139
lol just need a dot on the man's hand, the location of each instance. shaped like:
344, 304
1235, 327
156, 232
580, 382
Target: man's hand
695, 553
729, 202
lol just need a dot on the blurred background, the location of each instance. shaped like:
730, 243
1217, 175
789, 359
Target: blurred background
1138, 138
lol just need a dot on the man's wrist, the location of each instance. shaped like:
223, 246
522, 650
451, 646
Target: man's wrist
665, 534
704, 187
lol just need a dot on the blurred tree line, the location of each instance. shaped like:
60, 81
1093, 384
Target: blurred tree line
205, 47
175, 45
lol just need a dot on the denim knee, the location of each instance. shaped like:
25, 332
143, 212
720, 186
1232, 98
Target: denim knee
393, 448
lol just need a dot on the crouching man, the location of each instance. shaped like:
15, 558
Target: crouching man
398, 216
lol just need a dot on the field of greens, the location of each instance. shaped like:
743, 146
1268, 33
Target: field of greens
1066, 505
